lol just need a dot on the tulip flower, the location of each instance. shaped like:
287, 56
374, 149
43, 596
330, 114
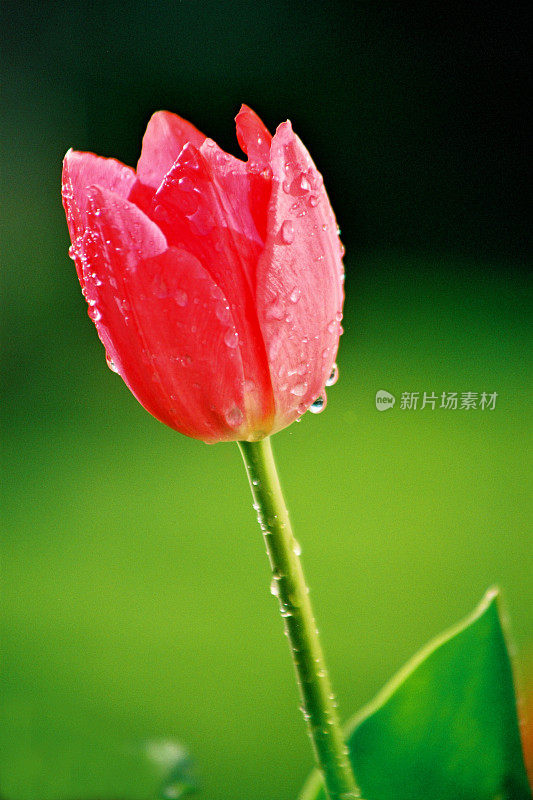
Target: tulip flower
215, 284
216, 287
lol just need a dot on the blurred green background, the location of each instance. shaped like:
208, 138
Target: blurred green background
135, 585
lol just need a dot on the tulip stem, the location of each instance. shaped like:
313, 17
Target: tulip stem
288, 584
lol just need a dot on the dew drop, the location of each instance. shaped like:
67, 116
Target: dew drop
180, 297
286, 187
299, 389
231, 339
318, 406
94, 314
161, 213
110, 363
275, 309
334, 376
304, 182
274, 587
313, 200
234, 417
275, 347
295, 295
287, 232
222, 312
296, 548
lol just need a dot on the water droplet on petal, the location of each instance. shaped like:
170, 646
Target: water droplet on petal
313, 200
180, 297
110, 363
318, 406
287, 232
304, 182
275, 309
295, 295
275, 347
231, 339
299, 389
286, 187
161, 213
94, 313
234, 417
334, 376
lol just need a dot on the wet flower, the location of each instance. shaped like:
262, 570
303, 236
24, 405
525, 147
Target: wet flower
215, 284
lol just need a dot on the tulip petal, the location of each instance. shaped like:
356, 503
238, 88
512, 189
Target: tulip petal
299, 280
166, 326
81, 170
203, 206
253, 136
165, 137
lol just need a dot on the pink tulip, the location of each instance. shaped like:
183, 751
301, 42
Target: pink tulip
215, 284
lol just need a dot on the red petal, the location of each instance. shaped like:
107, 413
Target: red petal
253, 136
81, 170
166, 326
204, 207
165, 137
299, 280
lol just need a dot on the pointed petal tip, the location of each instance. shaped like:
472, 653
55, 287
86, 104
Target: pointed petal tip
252, 134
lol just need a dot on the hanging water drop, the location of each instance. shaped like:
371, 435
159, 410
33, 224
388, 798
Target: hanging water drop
318, 406
334, 376
110, 363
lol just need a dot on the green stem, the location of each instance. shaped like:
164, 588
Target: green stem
288, 584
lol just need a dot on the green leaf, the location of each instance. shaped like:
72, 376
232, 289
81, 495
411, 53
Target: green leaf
446, 726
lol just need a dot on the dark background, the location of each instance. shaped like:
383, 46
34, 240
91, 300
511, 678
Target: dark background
126, 616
